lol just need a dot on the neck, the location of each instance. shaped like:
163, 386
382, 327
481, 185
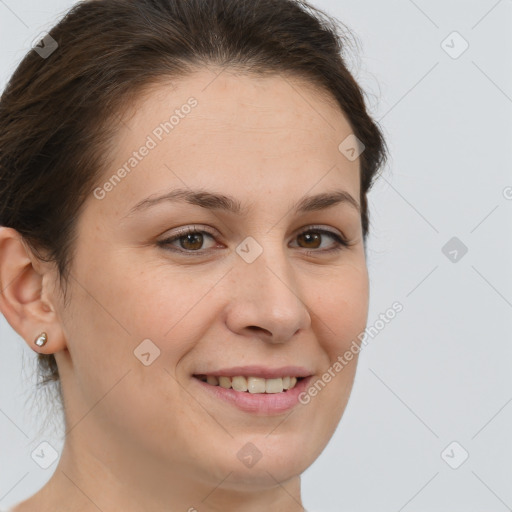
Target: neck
94, 476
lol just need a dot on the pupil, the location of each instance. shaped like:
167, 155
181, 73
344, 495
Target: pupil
308, 237
190, 238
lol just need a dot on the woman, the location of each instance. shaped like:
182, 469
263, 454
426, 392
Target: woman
184, 221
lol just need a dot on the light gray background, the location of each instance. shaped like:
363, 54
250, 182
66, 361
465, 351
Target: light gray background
441, 370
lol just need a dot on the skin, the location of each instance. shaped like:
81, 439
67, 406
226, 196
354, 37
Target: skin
146, 437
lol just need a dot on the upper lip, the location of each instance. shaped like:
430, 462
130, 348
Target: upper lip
259, 371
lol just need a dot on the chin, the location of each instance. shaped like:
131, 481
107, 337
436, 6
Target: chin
262, 462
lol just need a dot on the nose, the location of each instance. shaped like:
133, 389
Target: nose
266, 300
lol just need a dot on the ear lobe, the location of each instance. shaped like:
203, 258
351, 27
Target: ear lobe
23, 291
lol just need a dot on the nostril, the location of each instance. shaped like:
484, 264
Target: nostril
256, 328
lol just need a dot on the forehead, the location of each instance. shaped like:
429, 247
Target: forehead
241, 101
225, 130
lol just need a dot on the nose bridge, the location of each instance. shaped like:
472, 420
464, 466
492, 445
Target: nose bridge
267, 296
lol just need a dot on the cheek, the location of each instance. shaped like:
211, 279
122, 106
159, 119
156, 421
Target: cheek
342, 310
116, 309
168, 305
342, 305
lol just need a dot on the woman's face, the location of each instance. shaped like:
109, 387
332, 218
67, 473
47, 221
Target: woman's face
261, 285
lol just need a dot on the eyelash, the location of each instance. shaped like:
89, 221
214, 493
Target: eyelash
341, 242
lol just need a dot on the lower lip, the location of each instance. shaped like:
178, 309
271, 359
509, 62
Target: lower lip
259, 403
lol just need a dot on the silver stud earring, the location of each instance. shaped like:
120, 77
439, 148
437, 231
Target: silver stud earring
41, 339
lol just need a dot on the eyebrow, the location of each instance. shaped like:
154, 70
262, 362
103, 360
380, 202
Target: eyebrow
216, 201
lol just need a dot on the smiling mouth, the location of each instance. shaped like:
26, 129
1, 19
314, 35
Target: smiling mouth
255, 385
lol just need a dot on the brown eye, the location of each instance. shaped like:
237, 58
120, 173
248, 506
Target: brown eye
191, 241
312, 239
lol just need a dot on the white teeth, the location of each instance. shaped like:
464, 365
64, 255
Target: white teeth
252, 384
256, 385
239, 383
225, 382
274, 385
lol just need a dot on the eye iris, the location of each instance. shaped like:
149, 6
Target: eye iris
309, 237
189, 238
194, 241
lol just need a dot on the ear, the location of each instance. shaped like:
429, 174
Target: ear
26, 288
